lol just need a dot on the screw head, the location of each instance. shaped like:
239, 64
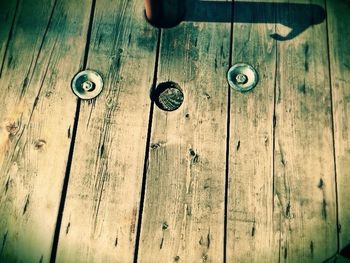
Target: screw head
87, 84
242, 77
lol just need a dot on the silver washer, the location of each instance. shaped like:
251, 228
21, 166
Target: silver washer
242, 77
87, 84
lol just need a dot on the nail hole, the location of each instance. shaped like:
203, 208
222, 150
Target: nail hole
168, 96
39, 144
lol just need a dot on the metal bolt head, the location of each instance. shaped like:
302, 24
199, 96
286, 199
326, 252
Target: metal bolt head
87, 84
242, 77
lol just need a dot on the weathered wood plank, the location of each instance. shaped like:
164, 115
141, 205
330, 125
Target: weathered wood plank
102, 204
37, 109
8, 13
339, 38
250, 236
183, 217
304, 185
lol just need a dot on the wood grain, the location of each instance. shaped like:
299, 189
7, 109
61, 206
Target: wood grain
102, 203
44, 50
339, 37
289, 143
250, 236
8, 13
304, 176
183, 217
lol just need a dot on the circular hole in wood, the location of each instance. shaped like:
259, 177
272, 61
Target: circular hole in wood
168, 96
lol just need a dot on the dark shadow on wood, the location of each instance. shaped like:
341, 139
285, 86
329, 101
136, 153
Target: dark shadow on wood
342, 256
345, 252
298, 17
